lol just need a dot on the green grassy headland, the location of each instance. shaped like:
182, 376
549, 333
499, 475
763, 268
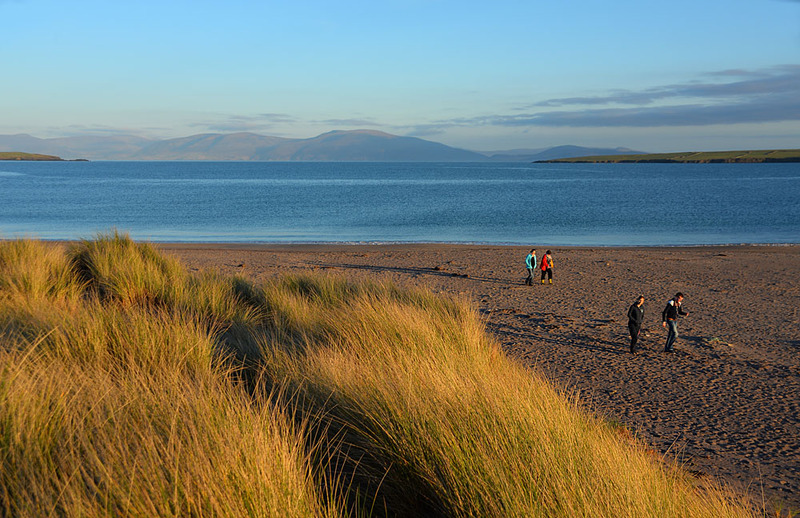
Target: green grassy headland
703, 157
132, 387
14, 155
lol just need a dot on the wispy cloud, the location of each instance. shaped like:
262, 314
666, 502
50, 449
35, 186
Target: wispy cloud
428, 130
236, 123
768, 95
83, 130
353, 123
273, 118
776, 81
767, 110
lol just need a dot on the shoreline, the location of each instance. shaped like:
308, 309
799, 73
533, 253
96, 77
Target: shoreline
311, 244
422, 245
224, 245
725, 405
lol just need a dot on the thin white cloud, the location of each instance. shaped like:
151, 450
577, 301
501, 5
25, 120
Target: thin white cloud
767, 110
83, 130
245, 123
353, 123
272, 118
428, 130
768, 95
775, 81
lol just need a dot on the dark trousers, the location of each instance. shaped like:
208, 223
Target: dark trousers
529, 279
634, 330
548, 272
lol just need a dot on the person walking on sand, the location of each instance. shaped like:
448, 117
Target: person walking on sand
635, 319
547, 267
669, 318
530, 264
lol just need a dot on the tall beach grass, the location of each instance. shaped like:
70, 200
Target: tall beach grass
129, 386
116, 398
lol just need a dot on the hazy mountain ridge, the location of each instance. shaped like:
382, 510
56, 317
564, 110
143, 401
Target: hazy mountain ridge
334, 146
558, 152
93, 148
213, 146
364, 145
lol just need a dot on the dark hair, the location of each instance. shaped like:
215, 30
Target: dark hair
548, 251
679, 294
640, 297
533, 249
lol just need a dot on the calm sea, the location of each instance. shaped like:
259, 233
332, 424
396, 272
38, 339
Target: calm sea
546, 204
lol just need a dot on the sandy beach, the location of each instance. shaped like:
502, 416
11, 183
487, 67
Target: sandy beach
726, 404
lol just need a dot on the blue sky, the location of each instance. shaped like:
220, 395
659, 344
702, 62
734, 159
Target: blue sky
654, 76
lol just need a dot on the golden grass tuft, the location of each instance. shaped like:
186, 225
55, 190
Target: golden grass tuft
117, 402
130, 387
425, 400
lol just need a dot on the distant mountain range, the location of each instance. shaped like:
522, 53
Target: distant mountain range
335, 146
553, 153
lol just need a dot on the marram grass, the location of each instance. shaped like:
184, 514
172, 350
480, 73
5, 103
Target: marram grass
124, 403
129, 387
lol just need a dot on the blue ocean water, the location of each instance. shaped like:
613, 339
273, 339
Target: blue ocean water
549, 204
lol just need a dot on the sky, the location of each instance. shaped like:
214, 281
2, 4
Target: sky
652, 76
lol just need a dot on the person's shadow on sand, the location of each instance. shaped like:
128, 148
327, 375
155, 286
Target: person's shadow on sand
561, 341
435, 271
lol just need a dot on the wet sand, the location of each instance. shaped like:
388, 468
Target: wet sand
726, 404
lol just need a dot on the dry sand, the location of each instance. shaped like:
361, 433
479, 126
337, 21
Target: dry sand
726, 404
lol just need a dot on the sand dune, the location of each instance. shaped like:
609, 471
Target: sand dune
727, 404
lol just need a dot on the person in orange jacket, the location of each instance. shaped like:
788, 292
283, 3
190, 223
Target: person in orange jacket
547, 267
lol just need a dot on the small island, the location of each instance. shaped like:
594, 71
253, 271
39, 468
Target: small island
690, 157
34, 157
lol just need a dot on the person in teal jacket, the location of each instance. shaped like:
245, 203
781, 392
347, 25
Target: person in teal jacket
530, 264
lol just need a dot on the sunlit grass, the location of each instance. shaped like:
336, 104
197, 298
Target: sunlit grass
130, 387
119, 403
427, 401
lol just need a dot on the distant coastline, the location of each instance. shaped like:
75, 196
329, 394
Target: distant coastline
708, 157
34, 157
333, 146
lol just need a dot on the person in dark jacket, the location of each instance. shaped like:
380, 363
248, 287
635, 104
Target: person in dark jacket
669, 318
635, 319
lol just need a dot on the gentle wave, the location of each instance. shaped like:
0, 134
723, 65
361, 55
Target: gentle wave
607, 205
